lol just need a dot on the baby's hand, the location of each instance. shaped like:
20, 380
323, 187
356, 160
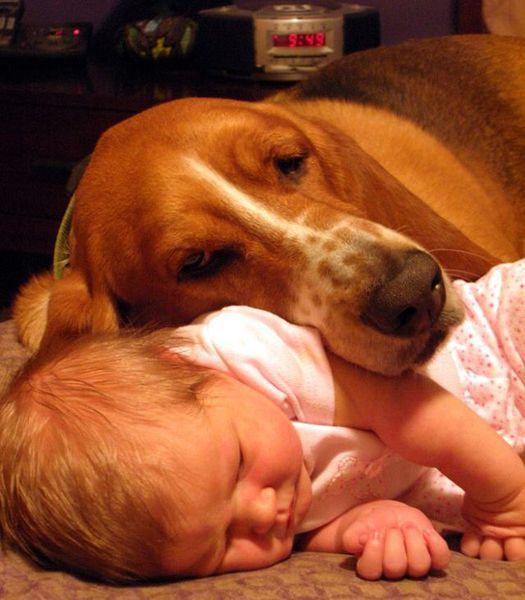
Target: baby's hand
392, 540
497, 529
477, 545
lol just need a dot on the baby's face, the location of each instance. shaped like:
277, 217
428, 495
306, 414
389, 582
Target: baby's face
249, 488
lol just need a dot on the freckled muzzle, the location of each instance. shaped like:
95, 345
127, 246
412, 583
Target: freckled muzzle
387, 310
410, 300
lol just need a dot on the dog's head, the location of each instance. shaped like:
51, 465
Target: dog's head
197, 204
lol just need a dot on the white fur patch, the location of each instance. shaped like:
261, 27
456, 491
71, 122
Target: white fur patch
247, 208
268, 224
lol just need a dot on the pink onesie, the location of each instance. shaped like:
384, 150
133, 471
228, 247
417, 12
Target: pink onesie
482, 362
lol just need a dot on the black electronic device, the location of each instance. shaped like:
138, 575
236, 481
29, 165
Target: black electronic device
10, 13
265, 40
47, 41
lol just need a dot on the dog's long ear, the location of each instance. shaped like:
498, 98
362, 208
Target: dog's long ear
391, 204
382, 198
48, 311
29, 309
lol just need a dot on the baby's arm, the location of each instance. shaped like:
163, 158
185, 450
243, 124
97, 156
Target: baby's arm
425, 424
389, 538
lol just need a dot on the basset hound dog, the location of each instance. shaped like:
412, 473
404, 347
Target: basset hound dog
346, 203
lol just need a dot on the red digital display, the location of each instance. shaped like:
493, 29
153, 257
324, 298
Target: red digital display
299, 40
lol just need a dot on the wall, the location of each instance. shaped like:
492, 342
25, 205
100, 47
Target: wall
48, 11
403, 19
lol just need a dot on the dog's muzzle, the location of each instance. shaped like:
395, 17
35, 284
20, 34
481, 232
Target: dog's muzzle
410, 301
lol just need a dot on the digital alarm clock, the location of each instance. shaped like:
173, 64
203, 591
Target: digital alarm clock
281, 41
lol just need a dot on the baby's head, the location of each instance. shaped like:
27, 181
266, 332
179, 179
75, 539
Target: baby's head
123, 464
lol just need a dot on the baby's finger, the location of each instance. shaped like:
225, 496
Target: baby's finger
471, 543
514, 548
438, 549
370, 563
491, 549
395, 562
355, 538
418, 555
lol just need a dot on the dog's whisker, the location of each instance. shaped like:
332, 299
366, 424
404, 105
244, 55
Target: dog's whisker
463, 252
466, 274
461, 274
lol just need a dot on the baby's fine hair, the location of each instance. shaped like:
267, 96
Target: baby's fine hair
78, 488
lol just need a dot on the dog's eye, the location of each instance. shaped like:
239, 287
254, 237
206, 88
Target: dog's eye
202, 263
196, 262
290, 165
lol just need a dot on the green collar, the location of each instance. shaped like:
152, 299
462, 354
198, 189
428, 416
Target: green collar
61, 251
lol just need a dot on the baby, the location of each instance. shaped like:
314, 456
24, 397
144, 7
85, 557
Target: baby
218, 446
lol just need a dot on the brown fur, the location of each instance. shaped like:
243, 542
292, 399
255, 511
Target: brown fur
393, 136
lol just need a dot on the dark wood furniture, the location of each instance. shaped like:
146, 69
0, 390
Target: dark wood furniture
470, 17
51, 117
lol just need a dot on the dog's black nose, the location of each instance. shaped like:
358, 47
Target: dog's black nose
411, 300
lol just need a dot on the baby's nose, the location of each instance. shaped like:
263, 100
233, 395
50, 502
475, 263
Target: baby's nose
260, 512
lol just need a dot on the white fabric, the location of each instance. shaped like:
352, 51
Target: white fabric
284, 362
